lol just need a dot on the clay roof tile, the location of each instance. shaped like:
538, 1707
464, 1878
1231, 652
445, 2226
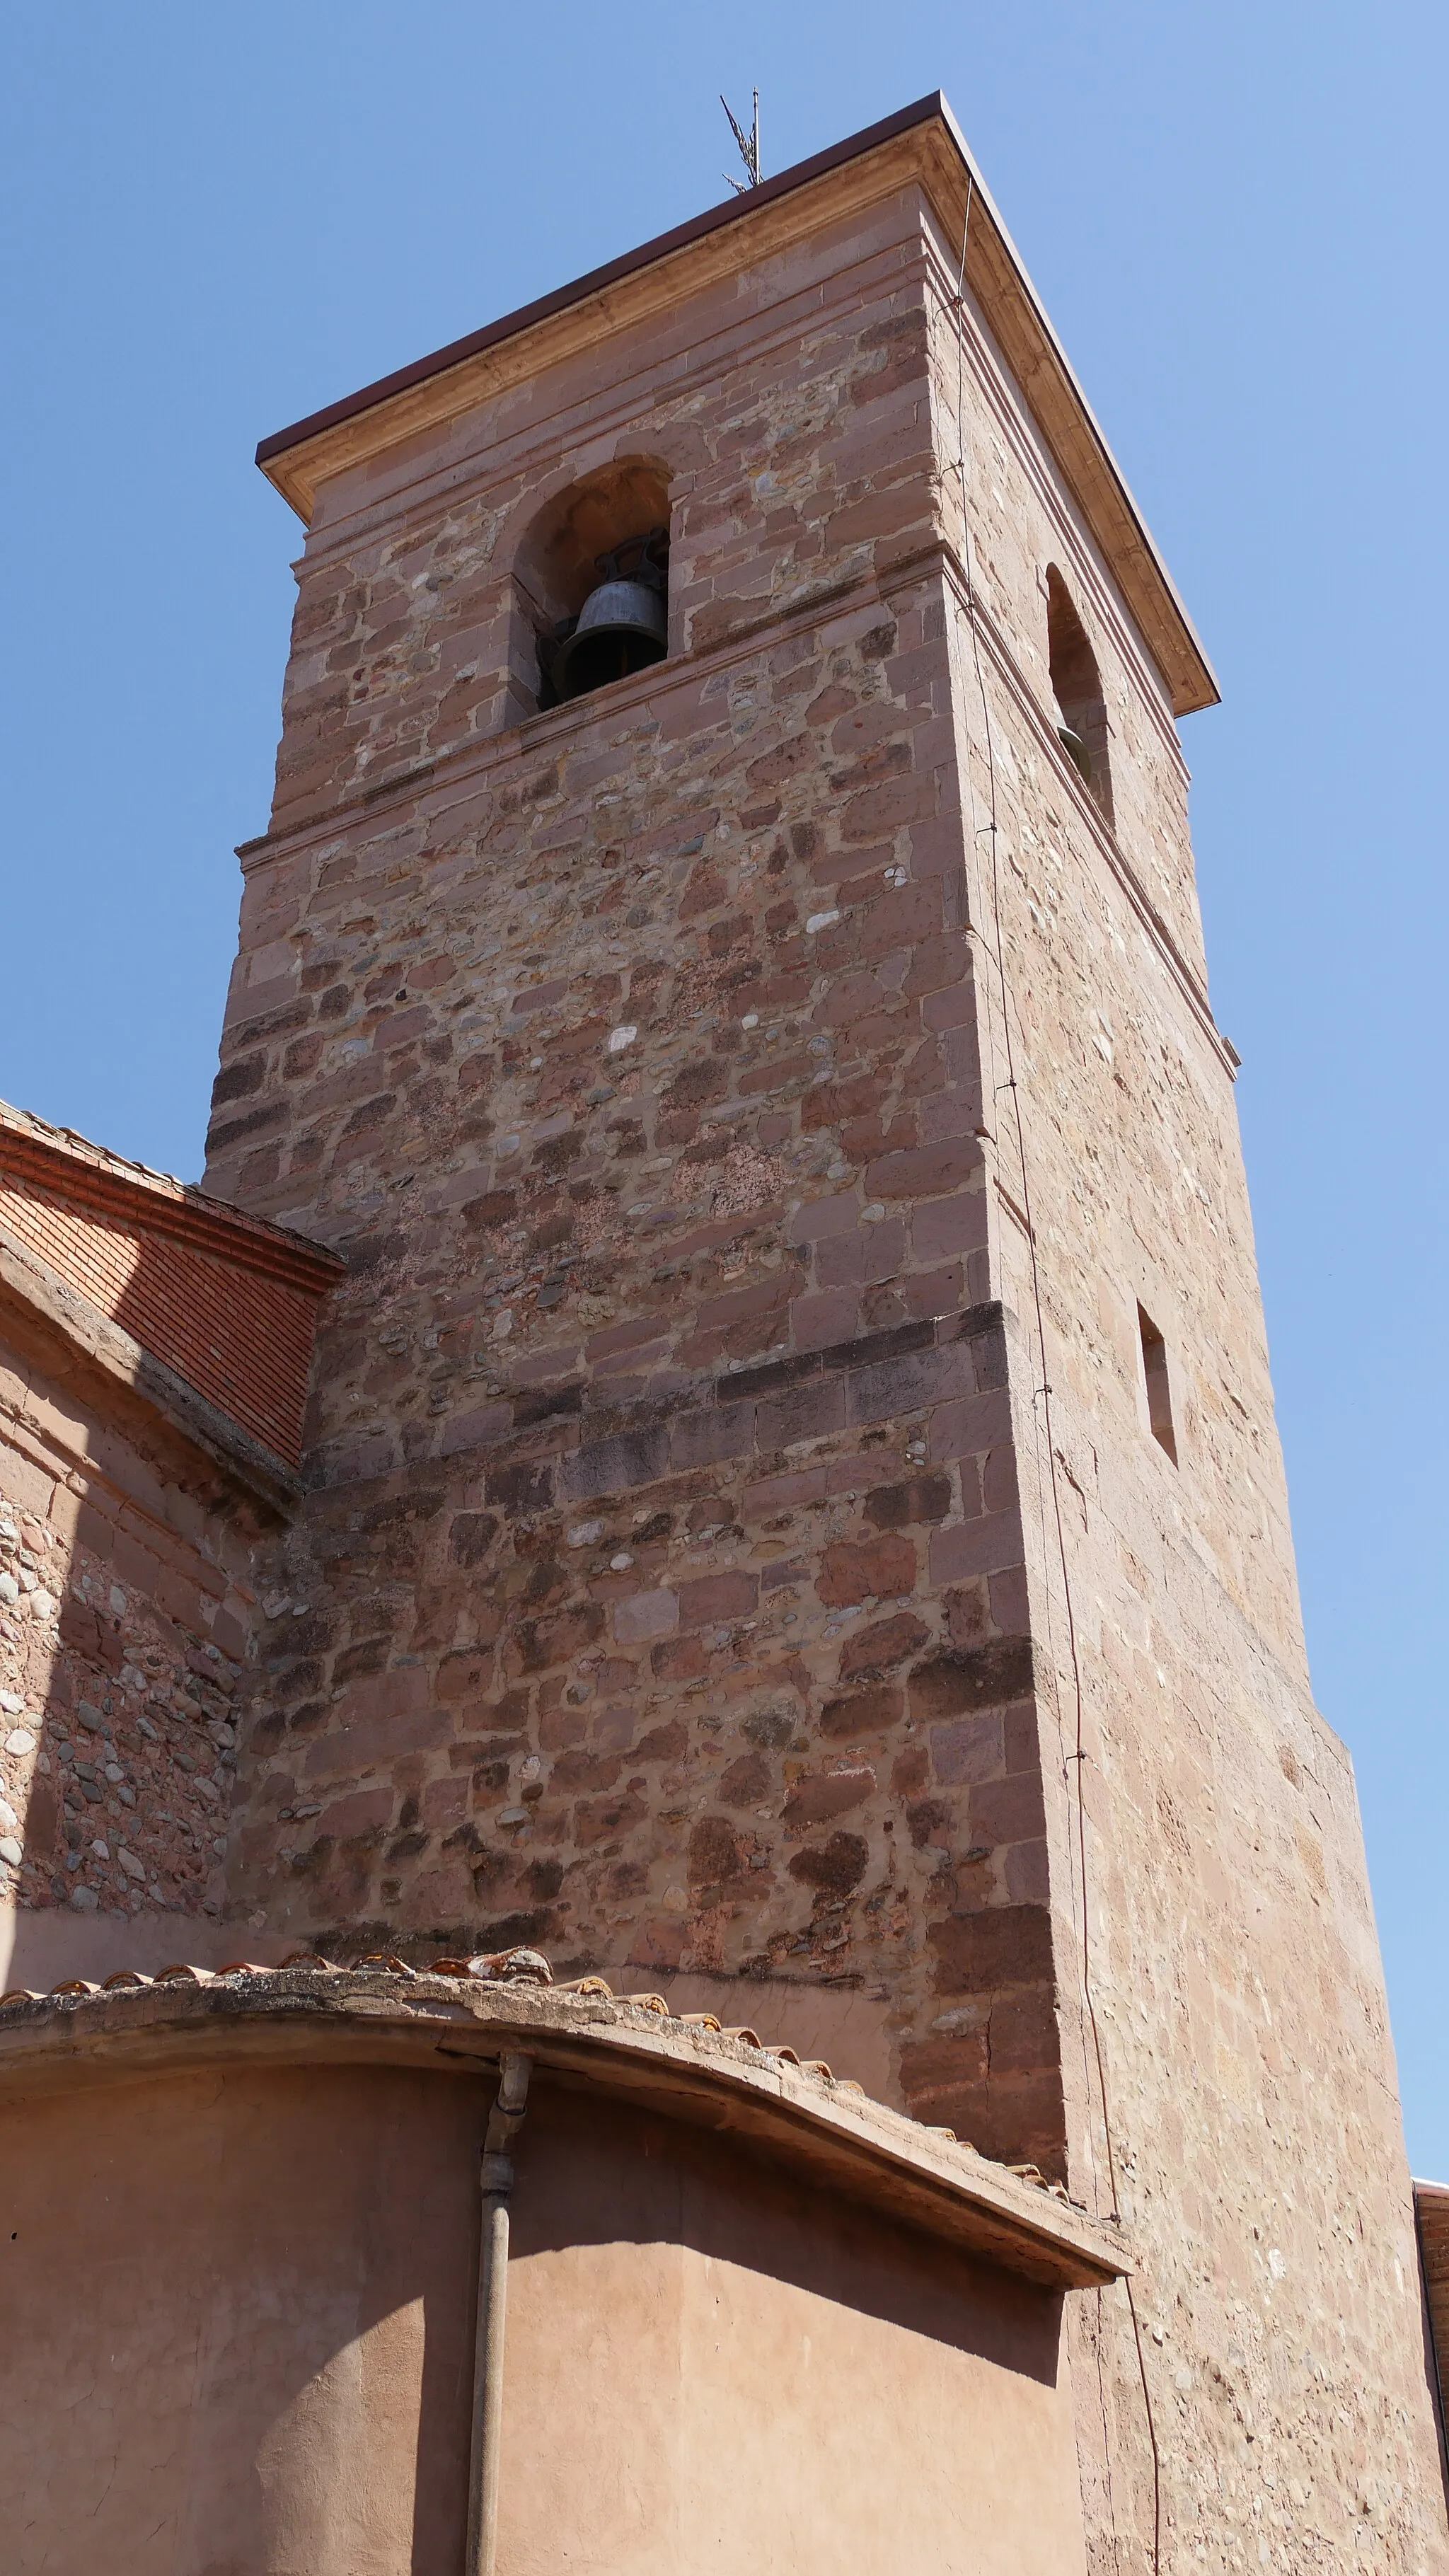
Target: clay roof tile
522, 1966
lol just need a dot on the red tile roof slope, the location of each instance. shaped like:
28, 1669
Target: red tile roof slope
226, 1300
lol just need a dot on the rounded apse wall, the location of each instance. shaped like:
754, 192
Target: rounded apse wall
241, 2229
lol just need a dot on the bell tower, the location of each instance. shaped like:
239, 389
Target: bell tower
794, 1517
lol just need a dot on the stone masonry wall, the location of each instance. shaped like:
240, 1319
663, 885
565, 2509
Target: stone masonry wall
615, 1059
676, 1586
668, 1655
1236, 1980
124, 1601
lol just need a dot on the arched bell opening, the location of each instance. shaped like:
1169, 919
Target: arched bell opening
592, 578
1081, 708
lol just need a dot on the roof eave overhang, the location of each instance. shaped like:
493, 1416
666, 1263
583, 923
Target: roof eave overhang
922, 142
829, 2133
98, 1184
74, 1333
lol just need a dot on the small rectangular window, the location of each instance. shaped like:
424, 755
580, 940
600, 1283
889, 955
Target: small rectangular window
1159, 1391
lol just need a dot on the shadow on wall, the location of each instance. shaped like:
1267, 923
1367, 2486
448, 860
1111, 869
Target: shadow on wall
118, 1733
283, 2329
600, 2174
293, 2289
125, 1565
1082, 727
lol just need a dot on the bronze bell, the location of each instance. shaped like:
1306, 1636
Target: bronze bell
1076, 751
1072, 743
623, 625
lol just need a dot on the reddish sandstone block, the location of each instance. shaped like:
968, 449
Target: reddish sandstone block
925, 1171
886, 1643
581, 1769
970, 1749
717, 1853
932, 2068
822, 1217
613, 1465
705, 1434
907, 1384
462, 1678
645, 1615
873, 1570
444, 1802
971, 1677
808, 1412
1008, 1811
919, 1498
817, 1321
362, 1813
815, 1800
975, 1547
832, 1868
358, 1746
678, 1659
862, 1713
946, 1225
537, 1644
1001, 1947
1028, 1873
713, 1597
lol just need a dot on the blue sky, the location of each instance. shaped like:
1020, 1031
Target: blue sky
218, 219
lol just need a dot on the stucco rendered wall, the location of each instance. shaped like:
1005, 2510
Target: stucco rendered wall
239, 2342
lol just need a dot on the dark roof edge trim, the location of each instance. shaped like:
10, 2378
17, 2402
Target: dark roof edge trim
545, 306
1203, 691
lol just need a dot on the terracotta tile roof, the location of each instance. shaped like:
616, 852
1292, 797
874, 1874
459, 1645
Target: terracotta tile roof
468, 2011
224, 1299
507, 1967
170, 1206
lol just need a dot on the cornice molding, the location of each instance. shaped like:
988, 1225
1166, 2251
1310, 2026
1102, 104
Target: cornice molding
59, 1314
527, 451
1015, 426
307, 2013
154, 1206
922, 145
1086, 808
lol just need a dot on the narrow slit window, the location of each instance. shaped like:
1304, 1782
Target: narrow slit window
1159, 1388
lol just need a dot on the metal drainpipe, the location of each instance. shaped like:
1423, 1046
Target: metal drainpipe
495, 2177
